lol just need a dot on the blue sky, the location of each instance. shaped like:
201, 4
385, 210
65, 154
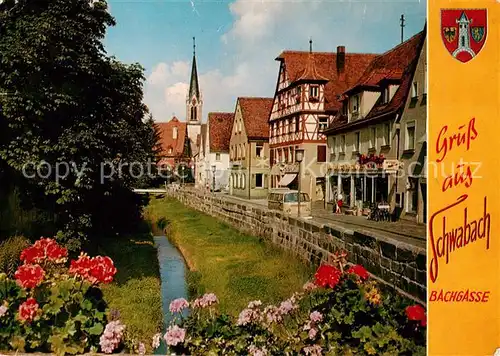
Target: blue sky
237, 41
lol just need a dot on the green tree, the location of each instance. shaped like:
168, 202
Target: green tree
73, 112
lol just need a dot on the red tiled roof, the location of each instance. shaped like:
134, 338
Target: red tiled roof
325, 66
400, 62
167, 140
255, 113
391, 64
220, 125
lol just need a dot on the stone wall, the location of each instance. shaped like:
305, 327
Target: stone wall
400, 265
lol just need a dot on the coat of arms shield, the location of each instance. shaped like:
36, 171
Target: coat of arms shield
464, 32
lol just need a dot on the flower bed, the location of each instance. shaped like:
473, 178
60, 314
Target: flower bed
52, 308
343, 312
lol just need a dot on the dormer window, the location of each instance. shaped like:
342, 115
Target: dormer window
314, 92
385, 95
344, 108
174, 133
414, 90
355, 104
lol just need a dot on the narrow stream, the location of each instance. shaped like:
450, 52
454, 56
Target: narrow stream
173, 279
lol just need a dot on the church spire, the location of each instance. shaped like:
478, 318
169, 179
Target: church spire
194, 88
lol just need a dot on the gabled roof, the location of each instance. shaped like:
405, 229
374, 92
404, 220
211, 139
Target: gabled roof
220, 126
390, 65
324, 65
255, 113
167, 141
396, 66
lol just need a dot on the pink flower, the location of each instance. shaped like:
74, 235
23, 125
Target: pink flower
3, 310
174, 335
287, 306
254, 304
205, 301
177, 305
272, 315
312, 333
255, 351
112, 336
156, 341
313, 350
142, 349
316, 316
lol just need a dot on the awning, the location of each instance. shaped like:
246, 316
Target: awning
287, 179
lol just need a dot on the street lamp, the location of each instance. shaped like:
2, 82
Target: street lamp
213, 178
299, 156
182, 174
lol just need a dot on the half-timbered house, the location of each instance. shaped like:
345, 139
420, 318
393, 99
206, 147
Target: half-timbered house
366, 141
249, 148
305, 101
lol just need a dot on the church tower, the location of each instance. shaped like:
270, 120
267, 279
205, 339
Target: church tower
194, 103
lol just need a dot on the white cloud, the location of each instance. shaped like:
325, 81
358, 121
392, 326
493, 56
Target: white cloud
260, 30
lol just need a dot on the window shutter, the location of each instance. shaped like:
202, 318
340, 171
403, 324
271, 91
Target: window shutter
271, 157
265, 181
321, 154
253, 180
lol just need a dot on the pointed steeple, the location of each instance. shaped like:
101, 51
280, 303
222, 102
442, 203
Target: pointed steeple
194, 88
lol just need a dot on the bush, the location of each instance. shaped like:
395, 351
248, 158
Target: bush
10, 250
343, 312
50, 308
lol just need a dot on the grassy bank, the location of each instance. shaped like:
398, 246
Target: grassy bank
236, 267
136, 290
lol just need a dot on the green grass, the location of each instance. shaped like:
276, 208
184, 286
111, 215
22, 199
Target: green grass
236, 267
136, 290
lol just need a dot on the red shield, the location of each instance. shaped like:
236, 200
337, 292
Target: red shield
464, 32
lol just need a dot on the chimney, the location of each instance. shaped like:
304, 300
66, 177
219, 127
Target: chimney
340, 59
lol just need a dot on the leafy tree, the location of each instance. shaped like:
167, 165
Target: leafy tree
74, 116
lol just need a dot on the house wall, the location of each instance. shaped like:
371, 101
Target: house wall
415, 111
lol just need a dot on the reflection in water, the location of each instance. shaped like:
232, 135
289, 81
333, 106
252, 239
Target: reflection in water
173, 279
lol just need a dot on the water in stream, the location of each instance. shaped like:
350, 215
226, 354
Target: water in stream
173, 279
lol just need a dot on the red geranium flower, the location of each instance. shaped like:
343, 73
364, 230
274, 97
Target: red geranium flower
417, 312
28, 310
327, 275
102, 270
42, 249
98, 269
359, 271
29, 276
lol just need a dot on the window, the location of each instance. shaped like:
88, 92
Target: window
258, 150
286, 124
291, 154
342, 144
290, 125
271, 156
170, 150
193, 112
313, 92
414, 90
242, 181
357, 142
373, 137
321, 154
344, 108
355, 103
299, 94
323, 123
387, 135
217, 156
333, 146
174, 133
425, 78
385, 96
259, 180
297, 124
410, 135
